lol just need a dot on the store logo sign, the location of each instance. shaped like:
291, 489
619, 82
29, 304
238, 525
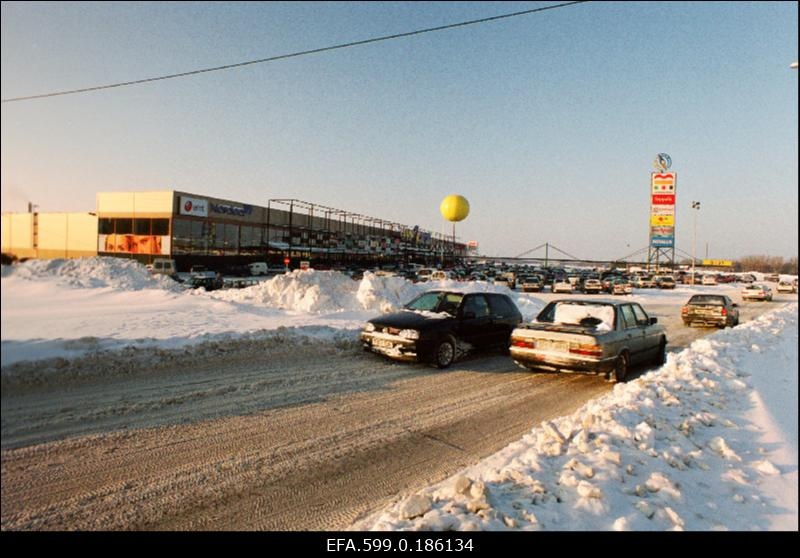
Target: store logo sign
193, 206
231, 209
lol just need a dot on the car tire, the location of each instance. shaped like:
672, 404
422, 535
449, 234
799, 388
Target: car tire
445, 352
621, 367
661, 356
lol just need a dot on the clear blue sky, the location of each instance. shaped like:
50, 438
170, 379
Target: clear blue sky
547, 123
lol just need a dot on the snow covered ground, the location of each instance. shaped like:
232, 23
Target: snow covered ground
707, 442
68, 308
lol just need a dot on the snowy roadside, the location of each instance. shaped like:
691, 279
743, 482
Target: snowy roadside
94, 308
696, 445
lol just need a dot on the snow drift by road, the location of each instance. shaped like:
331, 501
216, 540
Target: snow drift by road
71, 309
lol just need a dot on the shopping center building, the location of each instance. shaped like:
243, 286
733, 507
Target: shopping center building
194, 229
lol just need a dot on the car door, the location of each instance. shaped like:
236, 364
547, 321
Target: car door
651, 336
632, 332
505, 317
474, 320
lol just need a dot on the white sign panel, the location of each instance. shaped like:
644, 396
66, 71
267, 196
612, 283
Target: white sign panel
193, 206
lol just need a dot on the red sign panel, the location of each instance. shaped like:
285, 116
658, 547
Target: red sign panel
663, 199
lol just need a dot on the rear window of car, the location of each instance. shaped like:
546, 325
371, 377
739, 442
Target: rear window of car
708, 300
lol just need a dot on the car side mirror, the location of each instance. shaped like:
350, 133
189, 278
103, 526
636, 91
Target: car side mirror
653, 321
468, 315
735, 305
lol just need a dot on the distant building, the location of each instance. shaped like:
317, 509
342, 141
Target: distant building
195, 229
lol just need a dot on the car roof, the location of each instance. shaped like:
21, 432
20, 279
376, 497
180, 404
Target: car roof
593, 301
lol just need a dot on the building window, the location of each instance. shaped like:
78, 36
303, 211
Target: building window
105, 226
160, 227
141, 226
124, 226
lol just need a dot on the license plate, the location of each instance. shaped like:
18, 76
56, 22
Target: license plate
553, 345
383, 343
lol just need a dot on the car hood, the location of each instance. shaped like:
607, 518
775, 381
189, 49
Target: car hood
407, 319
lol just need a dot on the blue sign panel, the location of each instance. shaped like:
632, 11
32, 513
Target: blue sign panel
662, 241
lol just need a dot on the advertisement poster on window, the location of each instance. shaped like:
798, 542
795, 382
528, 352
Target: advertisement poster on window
134, 243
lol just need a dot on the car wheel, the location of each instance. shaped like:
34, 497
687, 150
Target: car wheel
445, 352
621, 367
661, 355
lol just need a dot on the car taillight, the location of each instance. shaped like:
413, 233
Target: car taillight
724, 311
524, 343
586, 349
685, 310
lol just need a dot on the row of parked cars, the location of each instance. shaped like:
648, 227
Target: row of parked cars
589, 335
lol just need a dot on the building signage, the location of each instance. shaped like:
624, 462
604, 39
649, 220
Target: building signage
662, 231
661, 220
663, 182
662, 241
662, 210
718, 263
229, 209
663, 199
193, 206
662, 204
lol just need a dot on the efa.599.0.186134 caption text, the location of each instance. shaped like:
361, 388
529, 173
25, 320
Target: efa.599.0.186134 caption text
401, 544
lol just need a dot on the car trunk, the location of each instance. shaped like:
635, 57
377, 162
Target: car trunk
557, 338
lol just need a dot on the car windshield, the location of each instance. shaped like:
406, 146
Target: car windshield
436, 302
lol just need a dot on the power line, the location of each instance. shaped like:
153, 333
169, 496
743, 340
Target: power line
292, 55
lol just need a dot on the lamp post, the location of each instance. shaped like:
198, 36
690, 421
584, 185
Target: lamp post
695, 205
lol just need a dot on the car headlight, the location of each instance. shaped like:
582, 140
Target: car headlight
409, 334
369, 327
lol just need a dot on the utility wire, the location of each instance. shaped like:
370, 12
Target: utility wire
292, 55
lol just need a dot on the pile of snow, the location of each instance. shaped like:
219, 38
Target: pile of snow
322, 292
690, 446
67, 309
91, 273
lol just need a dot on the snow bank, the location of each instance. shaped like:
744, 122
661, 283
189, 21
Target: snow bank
684, 447
91, 273
67, 309
330, 291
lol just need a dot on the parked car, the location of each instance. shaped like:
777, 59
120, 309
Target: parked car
163, 266
665, 282
207, 283
747, 278
757, 291
563, 286
532, 284
619, 287
710, 310
590, 335
202, 271
644, 282
592, 286
439, 326
786, 287
709, 280
772, 278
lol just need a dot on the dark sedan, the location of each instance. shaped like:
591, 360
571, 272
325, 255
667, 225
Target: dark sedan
439, 326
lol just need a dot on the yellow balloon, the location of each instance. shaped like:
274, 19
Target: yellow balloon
454, 208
